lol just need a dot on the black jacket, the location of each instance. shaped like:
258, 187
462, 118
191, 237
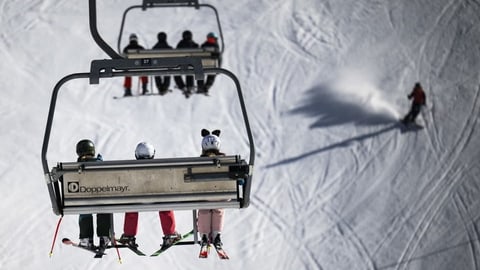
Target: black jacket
187, 44
133, 45
162, 45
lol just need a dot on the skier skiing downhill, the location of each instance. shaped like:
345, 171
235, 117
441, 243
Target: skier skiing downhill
211, 42
145, 150
162, 82
210, 221
418, 100
133, 45
86, 152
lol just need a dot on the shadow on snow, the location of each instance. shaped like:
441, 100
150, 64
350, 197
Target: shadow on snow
336, 108
333, 109
344, 143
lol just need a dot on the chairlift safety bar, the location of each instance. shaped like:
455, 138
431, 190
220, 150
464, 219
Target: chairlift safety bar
146, 66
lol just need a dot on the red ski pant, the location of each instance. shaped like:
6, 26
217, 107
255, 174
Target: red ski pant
167, 220
127, 83
210, 221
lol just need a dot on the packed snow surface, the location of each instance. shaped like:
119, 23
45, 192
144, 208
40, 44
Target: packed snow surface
337, 184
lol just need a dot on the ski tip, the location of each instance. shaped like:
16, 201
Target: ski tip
66, 241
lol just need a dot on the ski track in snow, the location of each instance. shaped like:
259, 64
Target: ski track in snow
315, 188
470, 228
447, 14
446, 182
305, 254
450, 158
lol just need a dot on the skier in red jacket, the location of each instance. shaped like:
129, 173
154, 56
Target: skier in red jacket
212, 44
418, 100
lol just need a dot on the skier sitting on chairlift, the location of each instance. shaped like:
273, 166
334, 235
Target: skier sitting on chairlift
210, 221
211, 42
133, 45
162, 82
86, 152
145, 150
186, 43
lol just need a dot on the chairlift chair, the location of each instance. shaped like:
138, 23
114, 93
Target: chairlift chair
148, 185
210, 58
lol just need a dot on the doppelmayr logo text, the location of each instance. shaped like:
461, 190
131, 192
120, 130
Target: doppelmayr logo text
75, 187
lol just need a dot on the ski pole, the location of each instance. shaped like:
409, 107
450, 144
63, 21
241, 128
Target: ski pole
55, 236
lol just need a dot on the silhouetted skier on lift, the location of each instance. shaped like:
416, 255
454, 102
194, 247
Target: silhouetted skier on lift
186, 43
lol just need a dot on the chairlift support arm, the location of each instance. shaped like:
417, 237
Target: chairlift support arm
92, 7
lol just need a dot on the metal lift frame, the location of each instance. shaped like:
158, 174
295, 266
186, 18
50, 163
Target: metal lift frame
197, 171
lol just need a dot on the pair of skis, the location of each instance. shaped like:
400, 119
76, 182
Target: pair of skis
164, 248
409, 126
205, 250
99, 252
144, 95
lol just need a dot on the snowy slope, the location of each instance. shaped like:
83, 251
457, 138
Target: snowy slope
337, 185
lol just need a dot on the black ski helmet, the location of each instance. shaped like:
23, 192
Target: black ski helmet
133, 37
187, 35
162, 36
85, 148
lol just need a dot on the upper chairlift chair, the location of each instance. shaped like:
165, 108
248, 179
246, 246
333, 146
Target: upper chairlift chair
210, 57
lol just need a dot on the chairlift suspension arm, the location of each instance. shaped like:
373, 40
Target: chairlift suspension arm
95, 34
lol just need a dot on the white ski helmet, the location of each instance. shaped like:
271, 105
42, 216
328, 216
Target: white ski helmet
211, 142
144, 150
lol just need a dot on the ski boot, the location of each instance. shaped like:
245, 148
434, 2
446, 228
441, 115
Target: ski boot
204, 247
170, 239
104, 241
163, 90
128, 92
217, 242
128, 240
144, 89
86, 243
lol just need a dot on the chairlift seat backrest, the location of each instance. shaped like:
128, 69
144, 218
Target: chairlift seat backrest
147, 185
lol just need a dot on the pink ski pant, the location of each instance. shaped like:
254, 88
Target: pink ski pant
210, 220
